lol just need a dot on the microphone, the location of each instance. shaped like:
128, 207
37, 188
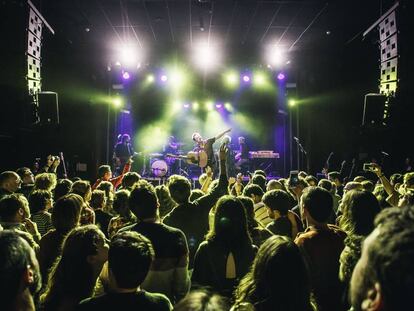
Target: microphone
385, 154
295, 138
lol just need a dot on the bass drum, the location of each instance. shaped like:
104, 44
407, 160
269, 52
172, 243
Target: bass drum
159, 168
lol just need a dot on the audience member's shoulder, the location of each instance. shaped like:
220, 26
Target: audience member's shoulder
173, 215
127, 228
338, 231
93, 303
159, 300
302, 237
141, 299
203, 246
173, 230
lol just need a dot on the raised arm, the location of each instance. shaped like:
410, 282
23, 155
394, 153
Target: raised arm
209, 179
223, 133
384, 180
117, 180
211, 198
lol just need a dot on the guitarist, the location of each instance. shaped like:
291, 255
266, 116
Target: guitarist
123, 150
207, 146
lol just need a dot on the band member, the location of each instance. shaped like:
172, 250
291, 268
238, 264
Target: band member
230, 156
207, 146
242, 157
171, 146
122, 152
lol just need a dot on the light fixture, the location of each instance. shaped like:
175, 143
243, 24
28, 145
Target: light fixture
126, 75
281, 76
275, 55
206, 57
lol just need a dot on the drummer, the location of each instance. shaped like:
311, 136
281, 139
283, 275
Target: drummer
171, 147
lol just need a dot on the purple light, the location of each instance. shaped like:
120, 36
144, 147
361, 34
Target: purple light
126, 75
186, 106
164, 78
281, 76
246, 78
218, 106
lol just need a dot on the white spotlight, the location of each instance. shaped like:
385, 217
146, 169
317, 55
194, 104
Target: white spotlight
275, 55
130, 55
206, 56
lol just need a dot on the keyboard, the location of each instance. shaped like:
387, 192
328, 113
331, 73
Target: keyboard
264, 154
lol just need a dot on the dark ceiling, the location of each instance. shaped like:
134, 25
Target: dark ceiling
294, 25
149, 22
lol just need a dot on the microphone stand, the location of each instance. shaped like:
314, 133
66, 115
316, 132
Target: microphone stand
302, 151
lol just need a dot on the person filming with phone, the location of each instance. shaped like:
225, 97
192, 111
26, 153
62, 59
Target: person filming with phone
395, 196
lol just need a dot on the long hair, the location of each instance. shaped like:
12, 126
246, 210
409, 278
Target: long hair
230, 224
278, 279
249, 207
359, 209
71, 276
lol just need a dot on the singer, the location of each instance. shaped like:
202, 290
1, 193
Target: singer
123, 150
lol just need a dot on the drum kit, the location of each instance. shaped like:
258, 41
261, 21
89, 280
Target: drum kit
161, 165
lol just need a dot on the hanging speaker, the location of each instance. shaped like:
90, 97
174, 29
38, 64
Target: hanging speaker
375, 109
48, 108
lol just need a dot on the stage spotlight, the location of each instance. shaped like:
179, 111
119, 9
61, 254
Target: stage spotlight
130, 55
186, 106
292, 102
281, 76
231, 79
117, 102
209, 105
163, 78
150, 78
218, 106
195, 106
177, 78
259, 79
206, 57
176, 106
228, 106
126, 75
246, 78
275, 55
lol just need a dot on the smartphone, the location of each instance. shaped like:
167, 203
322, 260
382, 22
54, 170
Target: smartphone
368, 167
293, 179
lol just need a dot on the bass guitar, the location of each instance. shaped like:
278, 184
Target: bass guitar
198, 158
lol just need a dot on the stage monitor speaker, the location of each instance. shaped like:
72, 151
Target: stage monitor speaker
375, 109
48, 108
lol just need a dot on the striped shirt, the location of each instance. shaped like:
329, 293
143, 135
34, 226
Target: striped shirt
44, 222
260, 214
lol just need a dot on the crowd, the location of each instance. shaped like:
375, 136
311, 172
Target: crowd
120, 243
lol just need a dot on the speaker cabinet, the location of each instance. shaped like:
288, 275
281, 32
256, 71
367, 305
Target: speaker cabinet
48, 110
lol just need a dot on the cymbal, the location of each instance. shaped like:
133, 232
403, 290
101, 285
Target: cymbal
154, 155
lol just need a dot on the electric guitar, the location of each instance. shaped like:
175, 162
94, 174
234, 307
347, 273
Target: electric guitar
198, 158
